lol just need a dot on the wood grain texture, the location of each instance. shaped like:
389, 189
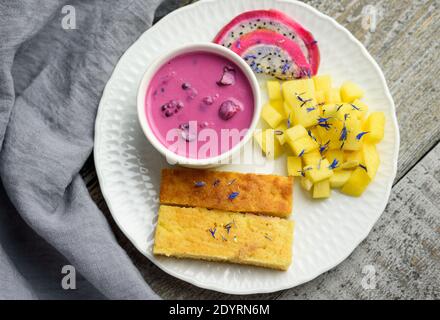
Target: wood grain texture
404, 246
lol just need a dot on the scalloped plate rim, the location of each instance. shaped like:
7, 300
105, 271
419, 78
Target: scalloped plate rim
216, 286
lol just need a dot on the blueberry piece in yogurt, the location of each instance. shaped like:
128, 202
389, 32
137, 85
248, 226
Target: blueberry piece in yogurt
209, 100
171, 107
186, 86
229, 108
168, 113
228, 77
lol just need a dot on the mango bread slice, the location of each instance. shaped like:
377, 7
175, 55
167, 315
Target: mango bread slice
231, 191
215, 235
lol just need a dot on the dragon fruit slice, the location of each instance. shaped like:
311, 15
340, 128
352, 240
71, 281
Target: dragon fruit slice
276, 21
273, 54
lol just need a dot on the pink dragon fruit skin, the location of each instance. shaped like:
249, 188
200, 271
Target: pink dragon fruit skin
270, 53
276, 21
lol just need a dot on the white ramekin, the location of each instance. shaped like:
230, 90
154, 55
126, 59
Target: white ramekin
172, 157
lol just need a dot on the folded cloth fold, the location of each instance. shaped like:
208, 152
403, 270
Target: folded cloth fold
55, 58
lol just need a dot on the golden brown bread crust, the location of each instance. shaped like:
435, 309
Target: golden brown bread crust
257, 193
215, 235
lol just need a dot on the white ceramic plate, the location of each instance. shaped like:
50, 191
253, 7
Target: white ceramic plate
128, 167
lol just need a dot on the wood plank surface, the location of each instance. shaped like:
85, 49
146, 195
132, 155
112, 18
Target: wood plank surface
404, 246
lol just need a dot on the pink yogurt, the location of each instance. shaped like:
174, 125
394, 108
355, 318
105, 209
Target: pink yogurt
199, 105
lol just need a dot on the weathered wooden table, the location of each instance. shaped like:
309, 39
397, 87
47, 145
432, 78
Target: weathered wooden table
402, 252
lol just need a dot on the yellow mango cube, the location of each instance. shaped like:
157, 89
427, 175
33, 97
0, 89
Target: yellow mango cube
322, 82
350, 164
371, 160
296, 133
269, 143
299, 93
360, 107
314, 134
274, 90
333, 96
321, 190
312, 158
350, 91
335, 157
306, 184
318, 172
303, 145
339, 178
294, 166
278, 105
287, 109
351, 109
353, 129
375, 126
320, 97
271, 116
352, 159
306, 116
329, 110
332, 134
357, 183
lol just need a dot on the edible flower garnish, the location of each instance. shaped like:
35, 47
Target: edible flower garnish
355, 108
233, 195
212, 232
334, 164
303, 172
228, 227
322, 120
343, 136
325, 125
199, 184
360, 135
324, 147
311, 135
301, 99
286, 67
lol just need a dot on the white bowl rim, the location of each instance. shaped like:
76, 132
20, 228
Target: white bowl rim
188, 48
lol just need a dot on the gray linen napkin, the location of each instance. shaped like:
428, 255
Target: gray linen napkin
51, 80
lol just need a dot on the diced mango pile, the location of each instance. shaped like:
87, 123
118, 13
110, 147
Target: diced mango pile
328, 136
